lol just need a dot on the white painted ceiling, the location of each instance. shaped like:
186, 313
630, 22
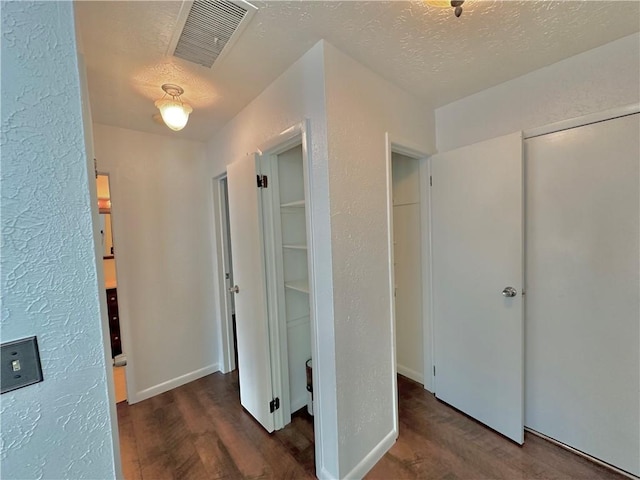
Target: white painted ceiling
427, 51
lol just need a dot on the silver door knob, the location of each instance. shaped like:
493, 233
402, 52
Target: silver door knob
234, 289
509, 292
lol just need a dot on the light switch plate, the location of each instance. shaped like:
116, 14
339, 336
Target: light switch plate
19, 364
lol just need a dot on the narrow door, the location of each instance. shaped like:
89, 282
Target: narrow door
245, 220
477, 215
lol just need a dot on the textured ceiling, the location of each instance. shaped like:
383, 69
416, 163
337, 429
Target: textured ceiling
426, 51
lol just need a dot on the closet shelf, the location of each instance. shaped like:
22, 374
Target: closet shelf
295, 247
298, 285
296, 204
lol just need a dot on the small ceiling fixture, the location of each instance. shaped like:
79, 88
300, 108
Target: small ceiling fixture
175, 113
455, 4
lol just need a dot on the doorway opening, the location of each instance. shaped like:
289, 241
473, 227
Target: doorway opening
118, 356
410, 257
269, 232
226, 281
407, 266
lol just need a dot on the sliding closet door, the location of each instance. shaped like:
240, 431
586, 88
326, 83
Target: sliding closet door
477, 232
583, 289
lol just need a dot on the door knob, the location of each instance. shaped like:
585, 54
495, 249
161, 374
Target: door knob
509, 292
234, 289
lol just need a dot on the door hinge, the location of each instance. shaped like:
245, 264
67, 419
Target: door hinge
434, 370
430, 181
274, 405
263, 181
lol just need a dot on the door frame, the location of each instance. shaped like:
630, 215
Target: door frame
298, 134
323, 368
582, 121
228, 362
399, 145
268, 153
123, 302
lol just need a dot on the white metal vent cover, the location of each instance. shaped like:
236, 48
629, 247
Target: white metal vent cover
206, 29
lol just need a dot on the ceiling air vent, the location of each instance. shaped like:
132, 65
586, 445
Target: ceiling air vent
209, 28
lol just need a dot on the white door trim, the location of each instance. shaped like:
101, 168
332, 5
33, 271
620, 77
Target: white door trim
268, 157
123, 303
323, 367
582, 120
404, 147
228, 363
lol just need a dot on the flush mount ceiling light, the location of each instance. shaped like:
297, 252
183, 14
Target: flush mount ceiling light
175, 113
455, 4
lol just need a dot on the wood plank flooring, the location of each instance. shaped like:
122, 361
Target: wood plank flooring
200, 431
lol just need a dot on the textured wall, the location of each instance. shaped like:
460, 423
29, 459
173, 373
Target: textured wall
160, 212
59, 428
603, 78
361, 107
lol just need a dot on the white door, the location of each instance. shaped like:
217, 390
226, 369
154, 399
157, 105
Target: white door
477, 215
583, 289
245, 221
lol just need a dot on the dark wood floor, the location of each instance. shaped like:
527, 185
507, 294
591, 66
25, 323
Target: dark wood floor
200, 431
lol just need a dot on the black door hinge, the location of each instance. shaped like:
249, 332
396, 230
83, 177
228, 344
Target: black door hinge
430, 181
274, 405
434, 370
263, 181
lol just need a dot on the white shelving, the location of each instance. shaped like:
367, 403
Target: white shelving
295, 247
296, 204
295, 271
298, 285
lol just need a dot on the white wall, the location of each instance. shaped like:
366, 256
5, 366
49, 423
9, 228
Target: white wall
63, 426
160, 213
296, 95
599, 79
361, 107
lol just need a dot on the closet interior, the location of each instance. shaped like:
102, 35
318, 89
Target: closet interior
289, 203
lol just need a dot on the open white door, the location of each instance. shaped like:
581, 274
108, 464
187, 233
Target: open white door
245, 221
477, 232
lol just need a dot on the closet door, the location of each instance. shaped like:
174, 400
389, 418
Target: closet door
477, 233
583, 289
245, 220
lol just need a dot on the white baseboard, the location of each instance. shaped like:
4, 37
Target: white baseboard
412, 374
325, 475
173, 383
298, 403
368, 462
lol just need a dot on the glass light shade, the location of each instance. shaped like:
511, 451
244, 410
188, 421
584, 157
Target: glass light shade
175, 114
